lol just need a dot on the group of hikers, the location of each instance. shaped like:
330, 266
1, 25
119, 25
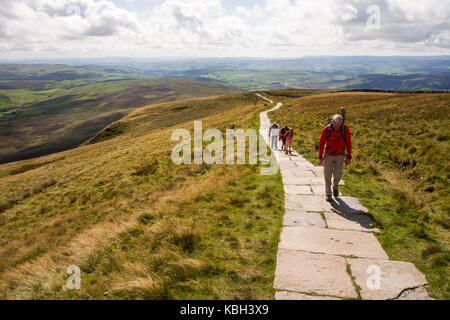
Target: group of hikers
335, 140
285, 135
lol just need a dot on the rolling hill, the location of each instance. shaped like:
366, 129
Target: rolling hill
122, 211
46, 109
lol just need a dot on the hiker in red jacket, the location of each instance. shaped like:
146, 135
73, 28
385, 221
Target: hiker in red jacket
337, 138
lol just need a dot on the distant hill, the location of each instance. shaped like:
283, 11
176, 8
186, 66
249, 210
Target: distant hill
50, 108
327, 72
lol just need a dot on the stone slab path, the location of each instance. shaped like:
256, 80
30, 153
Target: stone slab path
328, 251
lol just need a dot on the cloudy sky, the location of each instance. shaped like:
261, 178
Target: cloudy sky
222, 28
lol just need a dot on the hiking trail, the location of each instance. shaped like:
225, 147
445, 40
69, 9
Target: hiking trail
328, 250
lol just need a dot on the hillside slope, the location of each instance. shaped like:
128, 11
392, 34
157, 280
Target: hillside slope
400, 168
139, 226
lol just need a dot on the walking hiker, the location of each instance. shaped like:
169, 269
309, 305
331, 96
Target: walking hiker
274, 133
289, 138
283, 132
336, 136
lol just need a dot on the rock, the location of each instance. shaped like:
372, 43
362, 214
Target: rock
350, 221
313, 273
302, 190
329, 241
348, 205
303, 181
319, 190
419, 293
303, 219
306, 203
286, 295
297, 172
394, 277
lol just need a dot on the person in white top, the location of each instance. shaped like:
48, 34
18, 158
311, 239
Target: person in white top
274, 134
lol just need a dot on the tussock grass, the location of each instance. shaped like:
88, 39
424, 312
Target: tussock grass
400, 168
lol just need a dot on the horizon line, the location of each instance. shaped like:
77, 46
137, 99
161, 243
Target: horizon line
3, 61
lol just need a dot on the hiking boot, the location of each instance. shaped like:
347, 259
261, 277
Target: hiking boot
336, 193
329, 198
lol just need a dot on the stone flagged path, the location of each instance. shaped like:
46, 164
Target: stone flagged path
327, 250
331, 241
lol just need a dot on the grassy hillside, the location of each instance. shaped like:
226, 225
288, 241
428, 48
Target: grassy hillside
139, 226
400, 169
36, 121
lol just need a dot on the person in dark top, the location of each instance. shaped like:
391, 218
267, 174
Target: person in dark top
283, 132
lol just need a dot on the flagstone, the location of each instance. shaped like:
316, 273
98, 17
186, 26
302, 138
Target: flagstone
320, 190
303, 190
313, 273
303, 181
287, 295
394, 277
348, 205
330, 241
297, 172
307, 203
350, 221
303, 219
419, 293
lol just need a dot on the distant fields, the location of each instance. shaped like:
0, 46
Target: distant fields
321, 72
46, 109
263, 80
400, 168
50, 108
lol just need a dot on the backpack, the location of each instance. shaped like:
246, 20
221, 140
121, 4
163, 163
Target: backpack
329, 125
343, 126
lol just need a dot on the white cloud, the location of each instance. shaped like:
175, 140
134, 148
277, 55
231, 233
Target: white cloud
95, 28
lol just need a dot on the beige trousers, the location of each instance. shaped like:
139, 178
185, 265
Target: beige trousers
333, 168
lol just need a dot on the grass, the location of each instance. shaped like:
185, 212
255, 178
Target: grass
164, 115
400, 168
139, 226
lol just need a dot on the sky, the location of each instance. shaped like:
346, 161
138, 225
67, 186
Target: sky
52, 29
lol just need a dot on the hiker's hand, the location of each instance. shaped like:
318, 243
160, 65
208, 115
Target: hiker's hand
321, 162
348, 161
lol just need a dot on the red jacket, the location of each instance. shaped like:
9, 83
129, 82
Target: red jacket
335, 143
